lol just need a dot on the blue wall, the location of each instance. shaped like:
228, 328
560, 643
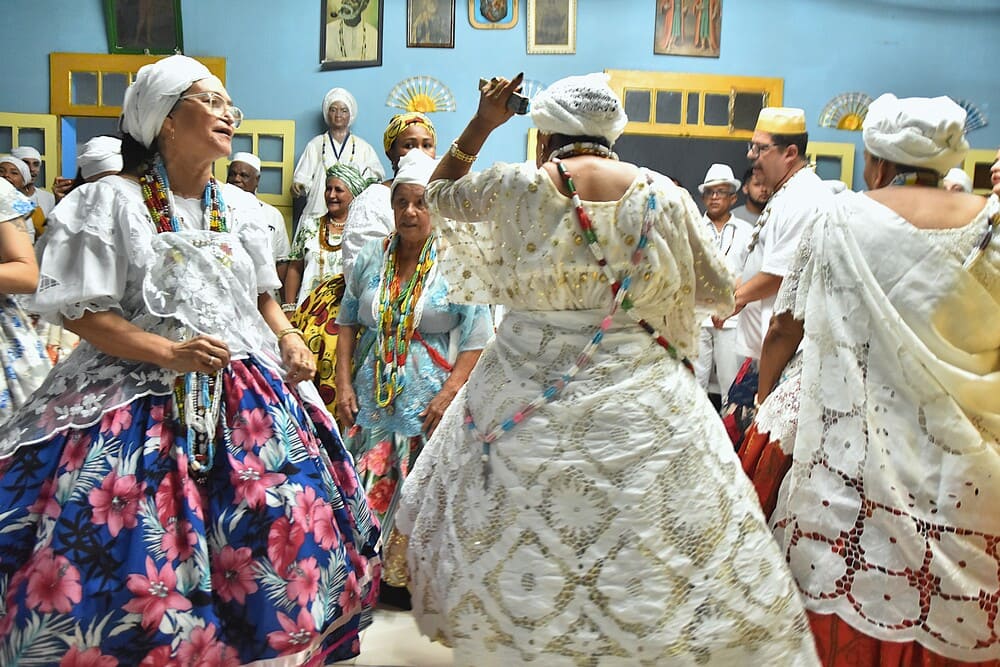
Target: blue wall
819, 47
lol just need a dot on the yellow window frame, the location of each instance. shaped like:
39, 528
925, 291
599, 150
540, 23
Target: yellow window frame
834, 149
283, 130
699, 85
48, 124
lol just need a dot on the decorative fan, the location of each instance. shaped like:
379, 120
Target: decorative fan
421, 93
846, 111
974, 118
531, 87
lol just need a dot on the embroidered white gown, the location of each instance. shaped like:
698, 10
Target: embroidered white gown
617, 527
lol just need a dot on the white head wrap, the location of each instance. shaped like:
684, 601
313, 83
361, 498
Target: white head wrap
21, 166
26, 152
153, 94
415, 167
99, 155
960, 178
247, 158
579, 106
340, 95
916, 131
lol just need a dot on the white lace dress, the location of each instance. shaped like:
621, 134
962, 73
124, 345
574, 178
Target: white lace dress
888, 516
617, 527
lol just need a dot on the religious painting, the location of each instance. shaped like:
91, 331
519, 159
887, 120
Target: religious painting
551, 26
350, 34
430, 23
688, 27
143, 26
493, 14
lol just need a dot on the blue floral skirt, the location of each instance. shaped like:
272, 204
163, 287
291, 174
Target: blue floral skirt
111, 553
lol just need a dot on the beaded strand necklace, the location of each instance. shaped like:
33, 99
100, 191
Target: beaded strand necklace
620, 300
343, 146
325, 245
364, 40
396, 319
197, 396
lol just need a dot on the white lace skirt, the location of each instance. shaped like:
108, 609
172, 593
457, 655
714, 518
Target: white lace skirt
22, 352
617, 526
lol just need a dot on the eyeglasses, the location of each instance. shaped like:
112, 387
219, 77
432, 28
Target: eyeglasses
217, 104
754, 150
717, 194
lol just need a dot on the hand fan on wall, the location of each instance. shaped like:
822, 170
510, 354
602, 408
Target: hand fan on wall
846, 111
974, 118
421, 93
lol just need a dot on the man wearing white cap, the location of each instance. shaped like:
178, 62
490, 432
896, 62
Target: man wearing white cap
718, 361
777, 152
31, 157
244, 173
957, 180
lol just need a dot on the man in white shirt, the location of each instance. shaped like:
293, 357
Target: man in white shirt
45, 199
756, 194
718, 361
244, 173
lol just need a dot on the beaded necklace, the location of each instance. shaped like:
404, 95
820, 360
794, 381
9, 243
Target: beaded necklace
364, 40
766, 213
620, 300
325, 245
343, 146
582, 148
397, 319
197, 396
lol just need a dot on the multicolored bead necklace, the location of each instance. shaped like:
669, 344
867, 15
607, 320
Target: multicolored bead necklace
197, 396
583, 148
620, 300
159, 200
397, 318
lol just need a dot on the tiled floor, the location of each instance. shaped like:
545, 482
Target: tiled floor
393, 641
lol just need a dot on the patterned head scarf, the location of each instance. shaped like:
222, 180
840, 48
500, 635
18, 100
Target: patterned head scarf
351, 177
340, 95
400, 122
154, 93
580, 106
922, 132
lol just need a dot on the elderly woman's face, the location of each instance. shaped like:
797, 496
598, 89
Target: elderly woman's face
416, 136
12, 174
195, 126
338, 198
413, 219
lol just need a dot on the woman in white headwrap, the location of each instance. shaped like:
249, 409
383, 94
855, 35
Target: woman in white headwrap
23, 362
403, 352
337, 145
891, 425
580, 502
174, 492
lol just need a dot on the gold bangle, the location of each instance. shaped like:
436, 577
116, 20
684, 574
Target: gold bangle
461, 155
291, 330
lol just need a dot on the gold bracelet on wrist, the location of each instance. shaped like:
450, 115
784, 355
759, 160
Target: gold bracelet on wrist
291, 330
461, 155
288, 307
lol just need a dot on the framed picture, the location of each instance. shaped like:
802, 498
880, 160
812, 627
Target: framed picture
143, 26
430, 23
493, 14
551, 26
350, 34
688, 27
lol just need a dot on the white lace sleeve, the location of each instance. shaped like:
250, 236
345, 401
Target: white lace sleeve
473, 197
83, 255
369, 217
251, 228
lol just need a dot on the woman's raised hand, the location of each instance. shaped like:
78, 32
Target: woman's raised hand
493, 98
202, 354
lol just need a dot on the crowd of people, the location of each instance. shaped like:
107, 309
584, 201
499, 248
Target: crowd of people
555, 408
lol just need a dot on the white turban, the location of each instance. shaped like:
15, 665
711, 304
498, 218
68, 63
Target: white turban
579, 106
415, 168
340, 95
99, 155
21, 166
960, 178
247, 158
154, 93
26, 152
923, 132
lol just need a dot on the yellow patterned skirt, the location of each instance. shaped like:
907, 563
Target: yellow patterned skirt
317, 317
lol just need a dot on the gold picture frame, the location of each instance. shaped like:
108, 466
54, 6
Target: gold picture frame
350, 37
493, 14
551, 26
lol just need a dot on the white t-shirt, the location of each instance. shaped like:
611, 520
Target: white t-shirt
45, 200
795, 205
279, 232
